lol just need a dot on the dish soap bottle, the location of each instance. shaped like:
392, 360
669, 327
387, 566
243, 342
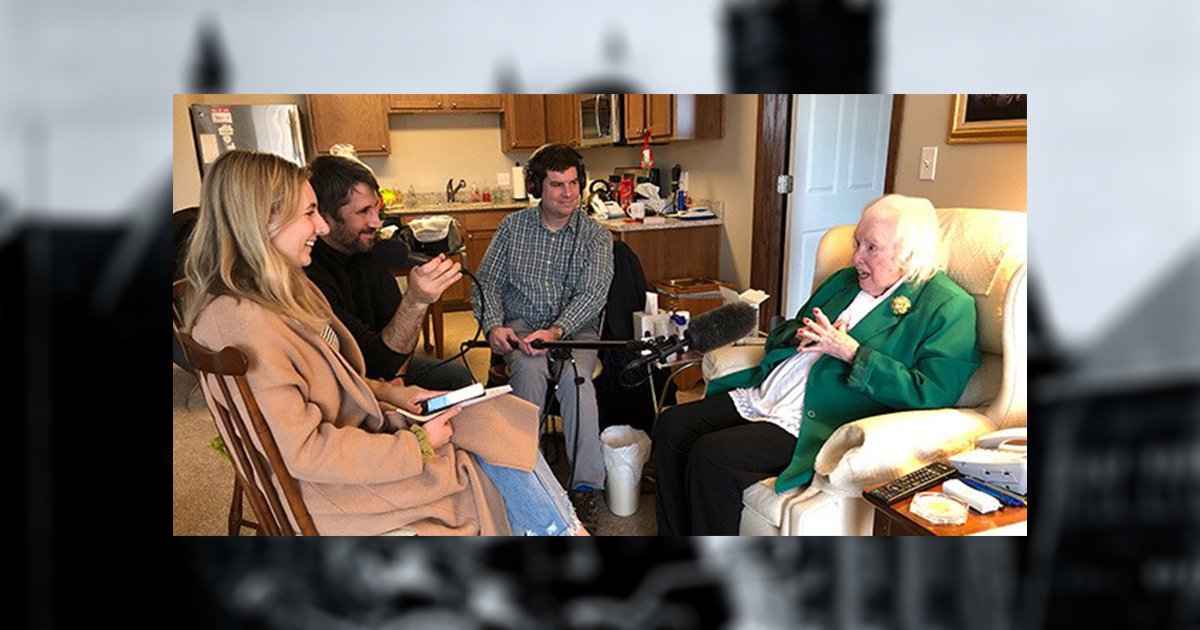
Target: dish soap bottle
647, 154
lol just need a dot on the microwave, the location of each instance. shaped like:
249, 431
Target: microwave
599, 119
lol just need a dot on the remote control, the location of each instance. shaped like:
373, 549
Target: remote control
913, 482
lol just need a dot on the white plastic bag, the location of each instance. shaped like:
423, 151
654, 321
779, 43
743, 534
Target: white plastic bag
626, 450
430, 229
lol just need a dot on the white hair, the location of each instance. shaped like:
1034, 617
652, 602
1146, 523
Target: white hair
918, 247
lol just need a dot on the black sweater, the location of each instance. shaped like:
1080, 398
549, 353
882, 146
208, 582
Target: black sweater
364, 296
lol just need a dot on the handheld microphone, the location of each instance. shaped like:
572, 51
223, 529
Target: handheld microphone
707, 332
394, 253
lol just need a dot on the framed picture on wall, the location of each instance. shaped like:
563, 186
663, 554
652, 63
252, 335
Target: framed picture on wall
989, 118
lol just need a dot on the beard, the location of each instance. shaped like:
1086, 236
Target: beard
350, 241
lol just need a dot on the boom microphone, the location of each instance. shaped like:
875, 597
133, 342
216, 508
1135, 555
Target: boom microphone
720, 327
707, 332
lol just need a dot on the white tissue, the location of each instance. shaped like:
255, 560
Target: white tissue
651, 303
979, 501
646, 189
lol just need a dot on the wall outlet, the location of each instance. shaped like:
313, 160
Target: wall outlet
502, 179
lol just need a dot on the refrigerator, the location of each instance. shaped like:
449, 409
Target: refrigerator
217, 129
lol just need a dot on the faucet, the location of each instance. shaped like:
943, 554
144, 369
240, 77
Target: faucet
452, 190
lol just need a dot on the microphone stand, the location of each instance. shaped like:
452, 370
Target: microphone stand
595, 344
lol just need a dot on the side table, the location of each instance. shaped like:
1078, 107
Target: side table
897, 520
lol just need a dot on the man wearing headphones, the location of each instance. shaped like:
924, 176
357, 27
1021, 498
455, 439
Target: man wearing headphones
546, 276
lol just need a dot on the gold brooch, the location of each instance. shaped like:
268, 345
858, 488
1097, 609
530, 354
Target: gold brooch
900, 305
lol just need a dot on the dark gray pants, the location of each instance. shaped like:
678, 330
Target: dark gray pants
453, 375
528, 378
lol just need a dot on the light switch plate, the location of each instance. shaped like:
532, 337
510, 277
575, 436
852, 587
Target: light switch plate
928, 163
502, 179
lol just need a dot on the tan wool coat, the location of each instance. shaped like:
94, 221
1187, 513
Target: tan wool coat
359, 471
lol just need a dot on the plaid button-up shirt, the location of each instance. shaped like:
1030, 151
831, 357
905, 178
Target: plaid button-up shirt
545, 278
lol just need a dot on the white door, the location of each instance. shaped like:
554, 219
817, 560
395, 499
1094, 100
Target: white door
838, 157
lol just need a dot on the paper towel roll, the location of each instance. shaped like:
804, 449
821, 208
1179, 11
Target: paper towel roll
518, 181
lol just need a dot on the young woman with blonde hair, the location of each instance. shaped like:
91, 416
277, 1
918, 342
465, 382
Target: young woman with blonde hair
361, 468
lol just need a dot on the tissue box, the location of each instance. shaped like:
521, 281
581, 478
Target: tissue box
753, 297
657, 325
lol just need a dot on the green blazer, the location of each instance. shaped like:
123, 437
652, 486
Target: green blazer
917, 360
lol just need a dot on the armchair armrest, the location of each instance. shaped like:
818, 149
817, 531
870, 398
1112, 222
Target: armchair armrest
876, 449
730, 359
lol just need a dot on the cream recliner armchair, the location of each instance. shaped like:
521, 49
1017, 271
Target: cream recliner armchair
987, 257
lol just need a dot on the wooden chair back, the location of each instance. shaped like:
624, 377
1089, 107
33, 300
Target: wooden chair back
235, 520
178, 291
222, 376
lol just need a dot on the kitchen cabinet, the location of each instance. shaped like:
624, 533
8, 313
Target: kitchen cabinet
673, 117
524, 122
562, 118
357, 119
649, 112
678, 252
445, 102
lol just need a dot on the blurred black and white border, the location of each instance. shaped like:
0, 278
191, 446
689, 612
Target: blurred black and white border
85, 153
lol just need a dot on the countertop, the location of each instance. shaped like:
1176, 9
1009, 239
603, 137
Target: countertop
619, 225
437, 208
718, 208
615, 225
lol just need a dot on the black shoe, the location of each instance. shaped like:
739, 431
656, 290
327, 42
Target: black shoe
587, 507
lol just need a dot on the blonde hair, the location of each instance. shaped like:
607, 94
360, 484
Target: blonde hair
245, 200
918, 246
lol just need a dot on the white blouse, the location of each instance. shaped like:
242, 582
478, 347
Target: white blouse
780, 398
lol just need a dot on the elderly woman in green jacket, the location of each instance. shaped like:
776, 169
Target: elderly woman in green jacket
892, 332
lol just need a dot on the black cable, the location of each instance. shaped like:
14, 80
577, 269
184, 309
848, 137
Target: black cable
463, 350
578, 425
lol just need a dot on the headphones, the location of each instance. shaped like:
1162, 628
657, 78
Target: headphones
536, 168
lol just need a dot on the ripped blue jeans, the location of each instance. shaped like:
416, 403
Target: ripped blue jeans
535, 502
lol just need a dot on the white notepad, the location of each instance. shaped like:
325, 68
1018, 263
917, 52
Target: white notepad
488, 394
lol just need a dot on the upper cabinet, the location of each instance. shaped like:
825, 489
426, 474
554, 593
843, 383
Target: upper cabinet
357, 119
524, 122
562, 119
674, 117
445, 102
649, 112
527, 120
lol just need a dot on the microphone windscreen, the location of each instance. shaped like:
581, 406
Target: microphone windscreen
721, 326
391, 252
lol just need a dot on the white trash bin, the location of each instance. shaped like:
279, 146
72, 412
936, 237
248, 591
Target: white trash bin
626, 450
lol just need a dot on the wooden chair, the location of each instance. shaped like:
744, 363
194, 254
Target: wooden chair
223, 378
236, 522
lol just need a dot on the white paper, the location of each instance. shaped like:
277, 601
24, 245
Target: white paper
208, 148
488, 394
728, 296
753, 297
